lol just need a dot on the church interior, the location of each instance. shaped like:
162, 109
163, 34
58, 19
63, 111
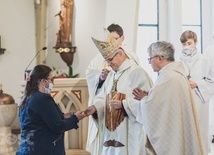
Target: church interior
29, 35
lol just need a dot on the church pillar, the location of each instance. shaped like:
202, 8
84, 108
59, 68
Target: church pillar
40, 22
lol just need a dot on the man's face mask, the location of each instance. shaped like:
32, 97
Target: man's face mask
189, 51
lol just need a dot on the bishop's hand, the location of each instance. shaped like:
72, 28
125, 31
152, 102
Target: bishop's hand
104, 74
89, 111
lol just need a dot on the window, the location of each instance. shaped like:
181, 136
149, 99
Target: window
148, 31
191, 18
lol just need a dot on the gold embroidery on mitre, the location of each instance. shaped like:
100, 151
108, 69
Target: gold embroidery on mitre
107, 47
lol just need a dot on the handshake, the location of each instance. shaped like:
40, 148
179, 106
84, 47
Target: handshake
82, 113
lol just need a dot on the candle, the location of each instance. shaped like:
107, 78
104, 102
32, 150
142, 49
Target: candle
0, 41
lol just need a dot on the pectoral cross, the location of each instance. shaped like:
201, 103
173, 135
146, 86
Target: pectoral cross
113, 89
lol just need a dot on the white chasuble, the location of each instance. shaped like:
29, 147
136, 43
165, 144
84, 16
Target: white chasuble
121, 135
168, 115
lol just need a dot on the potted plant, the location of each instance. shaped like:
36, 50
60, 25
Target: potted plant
60, 74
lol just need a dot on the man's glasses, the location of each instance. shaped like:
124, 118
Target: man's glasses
149, 59
111, 59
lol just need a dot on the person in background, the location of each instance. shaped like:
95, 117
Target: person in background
96, 74
41, 121
167, 110
114, 108
209, 54
200, 73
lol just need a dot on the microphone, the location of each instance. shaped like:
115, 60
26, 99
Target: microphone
44, 48
28, 71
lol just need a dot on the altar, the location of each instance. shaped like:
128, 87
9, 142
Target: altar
71, 94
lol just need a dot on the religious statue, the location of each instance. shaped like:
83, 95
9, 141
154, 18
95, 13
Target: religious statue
65, 23
63, 43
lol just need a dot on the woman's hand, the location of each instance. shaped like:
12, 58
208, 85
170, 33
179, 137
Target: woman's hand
67, 115
79, 115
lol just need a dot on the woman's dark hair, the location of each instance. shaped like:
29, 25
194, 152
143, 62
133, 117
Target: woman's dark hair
38, 73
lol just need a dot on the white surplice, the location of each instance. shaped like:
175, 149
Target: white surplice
168, 115
201, 72
209, 53
129, 132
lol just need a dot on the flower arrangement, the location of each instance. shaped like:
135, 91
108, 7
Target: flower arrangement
61, 74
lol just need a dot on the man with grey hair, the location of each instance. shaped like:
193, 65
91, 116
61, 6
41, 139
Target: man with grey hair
114, 108
167, 111
96, 74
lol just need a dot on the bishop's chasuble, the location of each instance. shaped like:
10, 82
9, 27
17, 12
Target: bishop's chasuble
120, 134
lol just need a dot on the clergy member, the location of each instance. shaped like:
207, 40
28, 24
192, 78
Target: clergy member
96, 74
114, 108
209, 53
200, 73
167, 112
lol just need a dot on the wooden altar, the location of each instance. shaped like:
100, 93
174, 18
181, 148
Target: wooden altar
71, 94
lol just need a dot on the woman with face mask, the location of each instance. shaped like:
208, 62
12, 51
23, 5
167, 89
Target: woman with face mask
42, 122
200, 74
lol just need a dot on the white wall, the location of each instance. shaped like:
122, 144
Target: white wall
207, 22
17, 30
124, 13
